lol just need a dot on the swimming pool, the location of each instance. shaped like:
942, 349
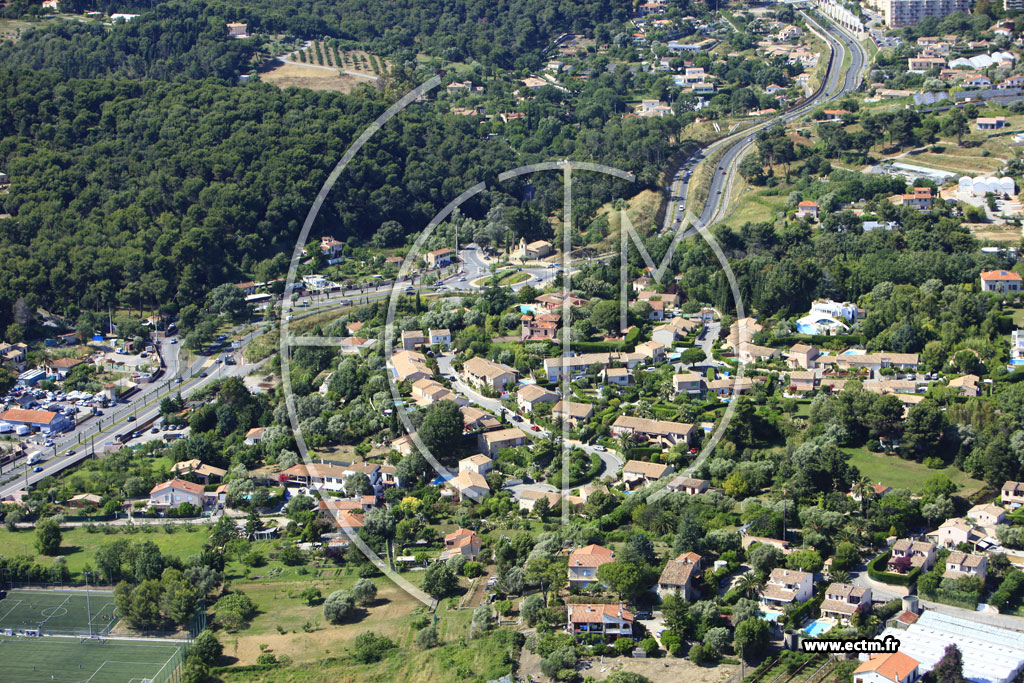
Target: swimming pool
771, 616
853, 352
819, 627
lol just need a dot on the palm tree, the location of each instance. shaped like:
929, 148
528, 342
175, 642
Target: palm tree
865, 490
839, 575
749, 585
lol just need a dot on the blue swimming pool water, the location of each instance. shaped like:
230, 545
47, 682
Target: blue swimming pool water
817, 628
771, 616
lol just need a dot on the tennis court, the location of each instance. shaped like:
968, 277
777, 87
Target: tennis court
86, 660
63, 612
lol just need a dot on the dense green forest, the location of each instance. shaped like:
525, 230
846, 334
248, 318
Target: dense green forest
506, 33
145, 192
178, 41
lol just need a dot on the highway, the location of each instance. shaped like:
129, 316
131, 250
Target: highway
837, 83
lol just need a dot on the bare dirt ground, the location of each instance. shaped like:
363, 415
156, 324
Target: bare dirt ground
287, 75
663, 669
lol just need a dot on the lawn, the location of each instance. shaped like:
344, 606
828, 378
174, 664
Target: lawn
754, 206
79, 546
288, 626
905, 474
66, 659
481, 659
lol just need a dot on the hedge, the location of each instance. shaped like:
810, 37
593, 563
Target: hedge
1008, 590
819, 339
884, 576
953, 597
797, 616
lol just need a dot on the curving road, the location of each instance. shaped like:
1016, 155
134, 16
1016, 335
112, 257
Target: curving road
837, 83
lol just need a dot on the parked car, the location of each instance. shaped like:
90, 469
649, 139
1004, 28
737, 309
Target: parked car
535, 428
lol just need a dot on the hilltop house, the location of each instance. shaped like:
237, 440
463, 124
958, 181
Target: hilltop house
960, 564
894, 667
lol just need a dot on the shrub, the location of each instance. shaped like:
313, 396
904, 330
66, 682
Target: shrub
339, 606
369, 647
311, 596
649, 646
266, 658
623, 646
473, 569
427, 638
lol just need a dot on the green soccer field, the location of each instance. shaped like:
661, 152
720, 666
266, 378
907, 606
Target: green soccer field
58, 612
69, 660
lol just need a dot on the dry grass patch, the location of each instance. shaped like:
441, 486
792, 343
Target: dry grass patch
312, 77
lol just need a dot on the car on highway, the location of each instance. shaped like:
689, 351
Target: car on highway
130, 418
37, 468
202, 374
178, 380
71, 452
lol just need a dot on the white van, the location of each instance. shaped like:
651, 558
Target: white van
6, 428
23, 430
33, 459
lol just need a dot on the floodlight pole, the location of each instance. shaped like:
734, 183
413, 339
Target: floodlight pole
88, 606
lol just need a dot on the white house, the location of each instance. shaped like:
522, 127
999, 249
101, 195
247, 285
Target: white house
173, 493
786, 586
894, 667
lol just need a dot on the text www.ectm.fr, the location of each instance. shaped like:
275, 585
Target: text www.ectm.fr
870, 645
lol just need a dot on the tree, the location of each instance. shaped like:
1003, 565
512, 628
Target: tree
439, 580
358, 484
622, 577
749, 585
253, 523
764, 557
531, 607
226, 300
751, 637
234, 611
606, 315
48, 537
339, 606
950, 669
692, 355
369, 647
311, 596
364, 592
481, 621
442, 427
207, 647
955, 124
847, 556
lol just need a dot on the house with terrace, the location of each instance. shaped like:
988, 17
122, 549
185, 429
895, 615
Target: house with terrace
480, 373
785, 587
610, 622
639, 473
584, 562
960, 564
842, 600
659, 431
908, 554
